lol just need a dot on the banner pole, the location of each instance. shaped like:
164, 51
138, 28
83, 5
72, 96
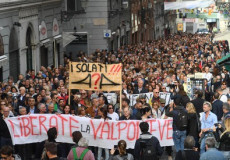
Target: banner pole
121, 92
120, 101
69, 97
69, 81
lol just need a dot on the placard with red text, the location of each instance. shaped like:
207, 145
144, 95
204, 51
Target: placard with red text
95, 76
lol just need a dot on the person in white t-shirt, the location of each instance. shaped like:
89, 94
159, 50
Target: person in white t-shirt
208, 75
110, 113
222, 97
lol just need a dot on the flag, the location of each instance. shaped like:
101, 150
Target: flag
209, 12
200, 65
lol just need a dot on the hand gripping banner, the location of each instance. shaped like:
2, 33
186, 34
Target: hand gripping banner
33, 128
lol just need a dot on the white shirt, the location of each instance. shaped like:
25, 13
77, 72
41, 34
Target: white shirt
208, 76
156, 114
224, 98
114, 116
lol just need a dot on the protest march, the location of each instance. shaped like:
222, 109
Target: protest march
162, 97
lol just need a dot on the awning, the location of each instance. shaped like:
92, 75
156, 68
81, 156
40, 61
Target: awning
225, 61
45, 42
3, 60
187, 5
68, 37
58, 38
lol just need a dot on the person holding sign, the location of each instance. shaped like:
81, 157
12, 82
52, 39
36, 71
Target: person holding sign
102, 114
113, 115
146, 113
156, 111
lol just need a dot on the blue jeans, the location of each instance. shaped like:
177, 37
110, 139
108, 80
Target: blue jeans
178, 139
100, 153
202, 143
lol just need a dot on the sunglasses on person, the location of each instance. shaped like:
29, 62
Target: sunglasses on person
110, 108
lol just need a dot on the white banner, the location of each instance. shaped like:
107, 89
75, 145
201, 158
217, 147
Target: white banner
187, 5
149, 96
33, 128
111, 98
133, 97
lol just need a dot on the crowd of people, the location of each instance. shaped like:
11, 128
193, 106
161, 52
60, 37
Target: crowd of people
163, 65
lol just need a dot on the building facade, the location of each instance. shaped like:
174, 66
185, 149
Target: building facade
148, 21
31, 36
142, 20
96, 24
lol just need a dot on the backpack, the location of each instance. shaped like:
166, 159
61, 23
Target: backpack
182, 120
82, 154
148, 151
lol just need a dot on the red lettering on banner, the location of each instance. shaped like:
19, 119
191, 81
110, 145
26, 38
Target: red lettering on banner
56, 121
112, 132
95, 131
169, 127
121, 129
151, 130
71, 125
161, 131
62, 122
134, 131
12, 125
105, 131
41, 120
138, 130
32, 126
21, 129
26, 126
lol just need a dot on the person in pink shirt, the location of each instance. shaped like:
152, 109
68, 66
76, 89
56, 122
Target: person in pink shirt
81, 152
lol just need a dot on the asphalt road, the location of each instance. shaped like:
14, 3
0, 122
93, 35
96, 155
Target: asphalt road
223, 36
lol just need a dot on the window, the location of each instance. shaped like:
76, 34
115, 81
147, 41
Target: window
74, 5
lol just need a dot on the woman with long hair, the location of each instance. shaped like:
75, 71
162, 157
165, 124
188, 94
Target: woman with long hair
81, 112
155, 110
179, 92
146, 113
225, 137
111, 113
66, 109
102, 114
121, 147
192, 129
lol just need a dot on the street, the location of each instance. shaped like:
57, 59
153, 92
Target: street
222, 36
